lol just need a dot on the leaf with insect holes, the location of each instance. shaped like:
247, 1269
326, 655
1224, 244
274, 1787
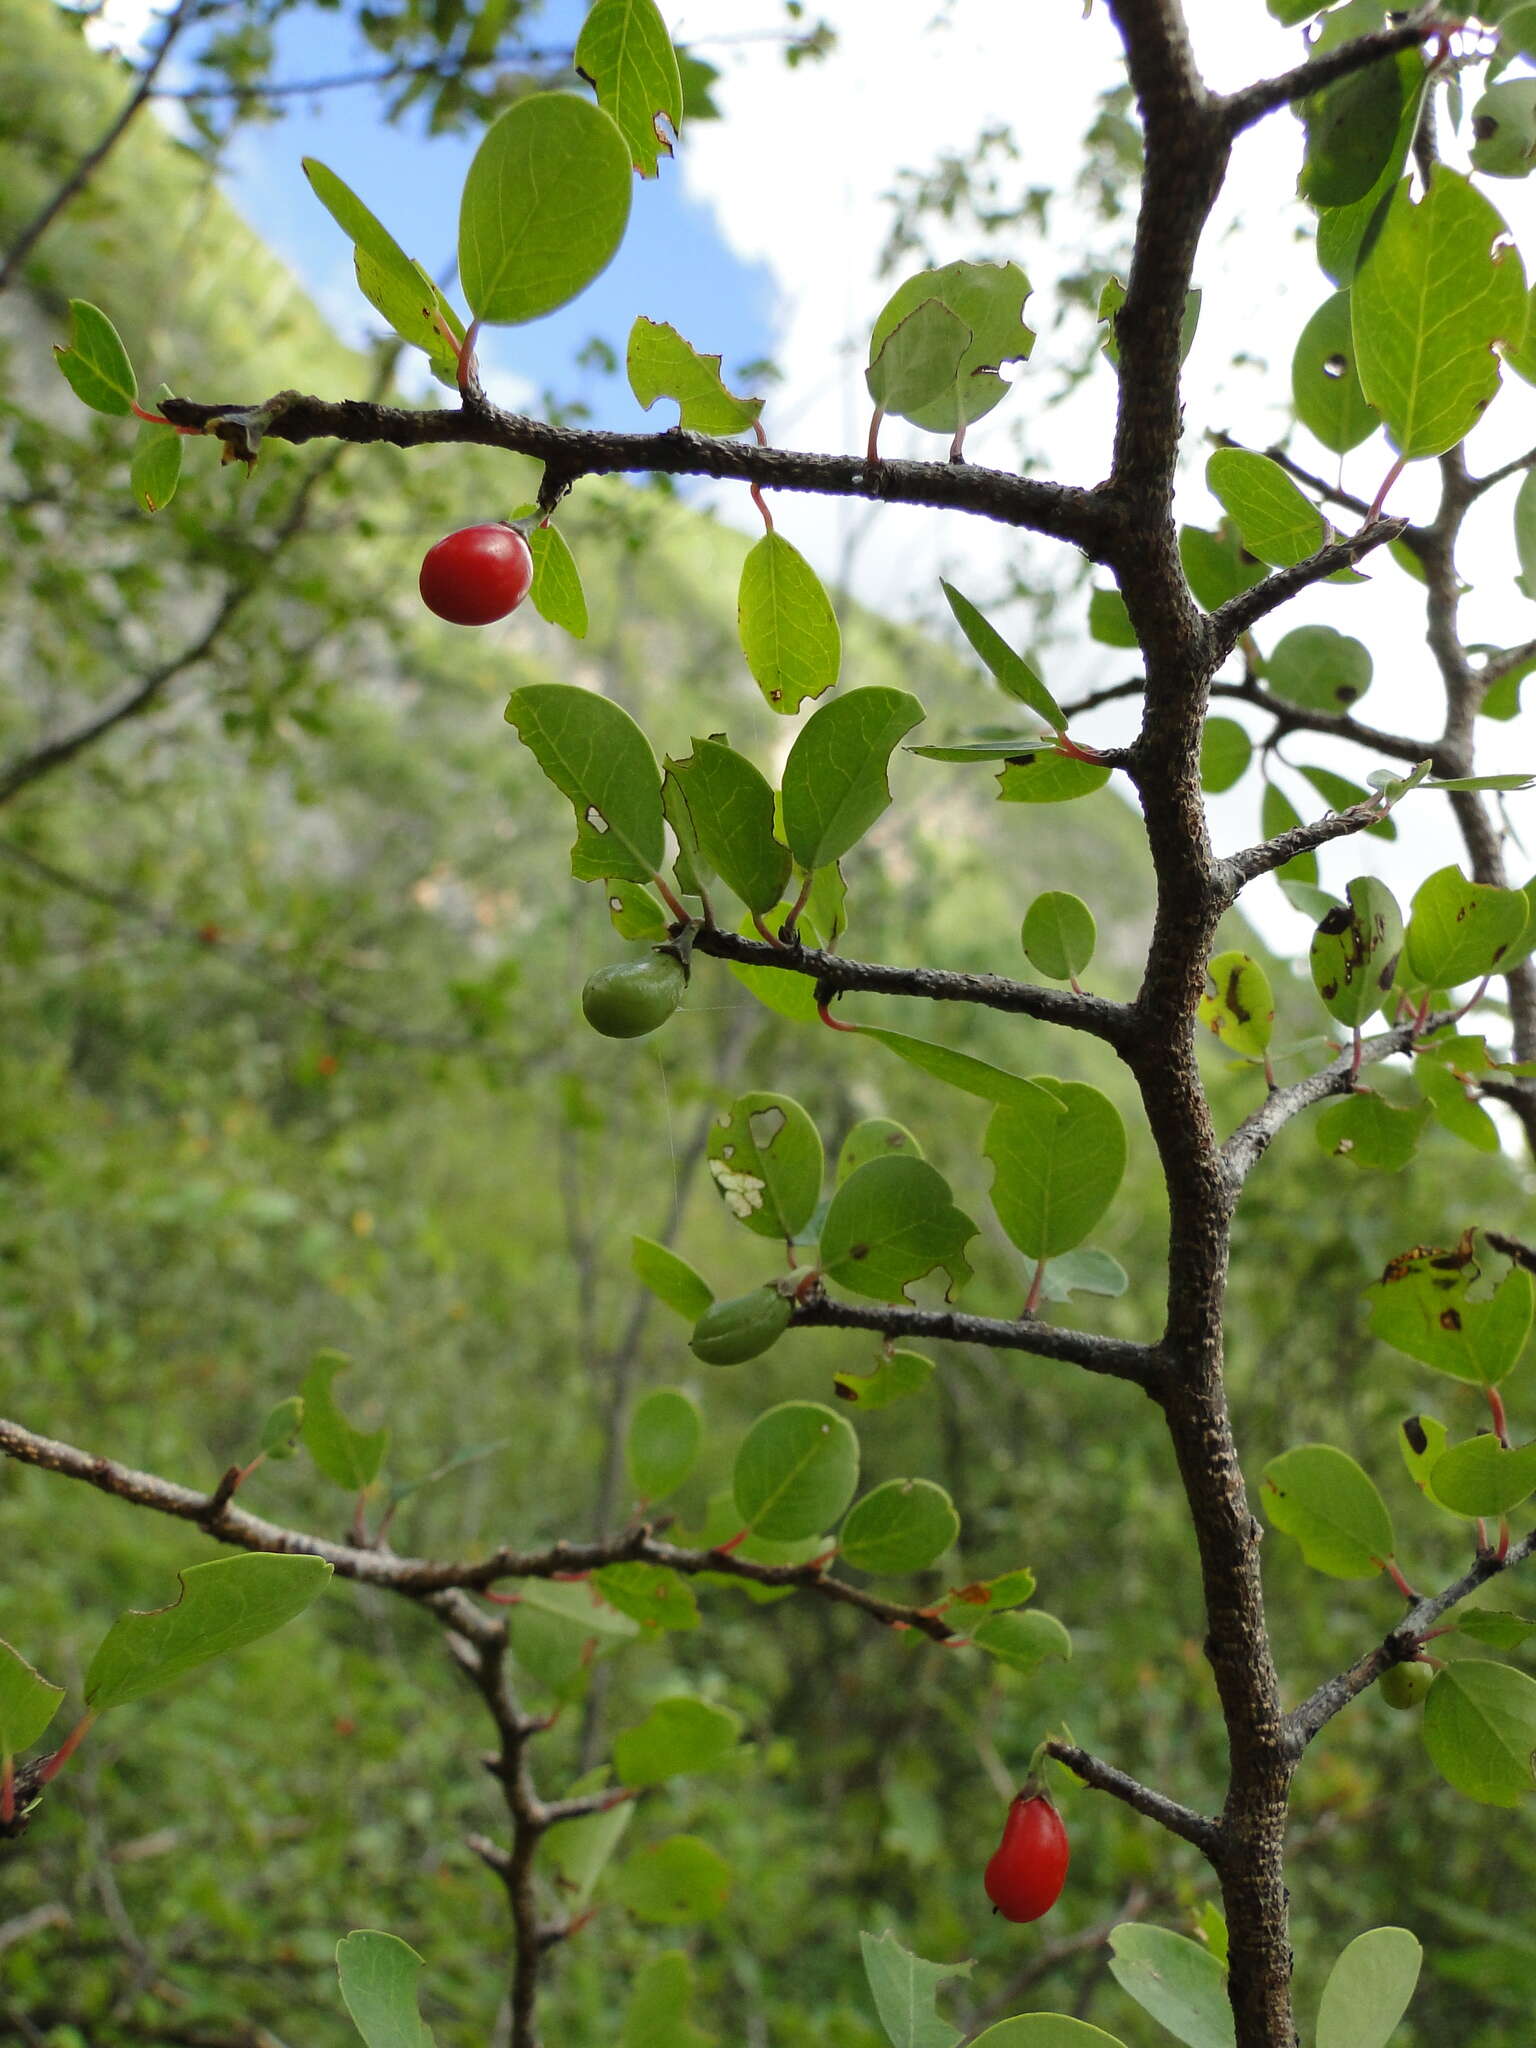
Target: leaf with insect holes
595, 754
222, 1606
731, 810
28, 1702
1056, 1166
626, 55
890, 1223
544, 208
1240, 1005
1370, 1133
896, 1378
1277, 523
1331, 1506
1325, 385
985, 305
351, 1458
1355, 952
1010, 670
1049, 778
1424, 1307
787, 627
379, 1974
1438, 286
95, 364
662, 365
836, 777
766, 1161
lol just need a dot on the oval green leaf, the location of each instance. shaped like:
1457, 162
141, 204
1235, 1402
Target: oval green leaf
1325, 384
28, 1702
788, 629
661, 1445
679, 1734
1330, 1505
1178, 1981
903, 1526
1239, 1006
1460, 930
379, 1974
1277, 522
1059, 935
1056, 1165
731, 810
835, 780
1011, 670
798, 1466
1368, 1989
595, 754
1479, 1477
1480, 1730
891, 1222
766, 1159
1355, 952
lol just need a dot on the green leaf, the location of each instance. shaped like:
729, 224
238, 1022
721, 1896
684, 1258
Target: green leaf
1421, 1439
1059, 935
1277, 523
1480, 1477
1522, 360
904, 1988
635, 912
595, 754
1083, 1272
1023, 1641
674, 1882
780, 989
222, 1606
788, 629
678, 1735
1312, 902
1178, 1981
1504, 130
28, 1702
1278, 814
1320, 669
903, 1526
1240, 1005
1112, 298
657, 2014
1055, 1170
1225, 751
378, 1975
1368, 1989
1108, 620
835, 780
890, 1223
545, 206
578, 1851
1370, 1133
1345, 234
1423, 1308
1340, 794
1454, 1105
662, 365
1525, 531
995, 1596
895, 1378
1329, 1504
1480, 1730
1352, 127
1011, 670
960, 1070
1355, 952
1049, 778
280, 1431
647, 1594
626, 55
1325, 384
412, 305
1431, 298
985, 302
799, 1463
1499, 1629
1045, 2030
155, 470
1006, 747
556, 591
730, 806
348, 1457
875, 1137
661, 1445
671, 1279
1459, 930
766, 1160
95, 363
1217, 564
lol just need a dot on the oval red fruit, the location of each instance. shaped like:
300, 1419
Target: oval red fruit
476, 575
1029, 1866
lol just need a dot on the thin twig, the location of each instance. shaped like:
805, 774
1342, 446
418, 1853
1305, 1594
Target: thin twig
1197, 1828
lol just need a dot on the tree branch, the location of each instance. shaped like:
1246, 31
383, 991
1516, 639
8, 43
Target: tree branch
1239, 614
1245, 867
1254, 1135
1114, 1357
1335, 1694
1496, 666
1197, 1828
1240, 110
1064, 511
1337, 725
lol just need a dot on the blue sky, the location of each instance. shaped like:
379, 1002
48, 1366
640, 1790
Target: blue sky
674, 264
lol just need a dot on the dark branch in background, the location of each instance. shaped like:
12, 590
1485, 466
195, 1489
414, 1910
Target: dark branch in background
252, 961
1197, 1828
1255, 1134
186, 11
1233, 619
1338, 725
1335, 1694
1479, 484
1240, 110
838, 976
1065, 511
1112, 1356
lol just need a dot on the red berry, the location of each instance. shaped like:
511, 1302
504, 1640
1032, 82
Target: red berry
1029, 1866
476, 575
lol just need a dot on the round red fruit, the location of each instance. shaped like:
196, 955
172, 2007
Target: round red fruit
476, 575
1029, 1866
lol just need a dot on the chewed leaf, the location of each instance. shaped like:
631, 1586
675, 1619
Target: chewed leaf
766, 1161
379, 1975
350, 1457
788, 629
943, 373
891, 1222
919, 360
595, 754
904, 1988
626, 53
1422, 1305
28, 1702
662, 365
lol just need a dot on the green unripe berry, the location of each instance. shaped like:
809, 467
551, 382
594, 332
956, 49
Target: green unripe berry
731, 1332
634, 996
1403, 1686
